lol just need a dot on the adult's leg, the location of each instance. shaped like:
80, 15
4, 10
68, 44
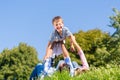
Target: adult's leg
81, 54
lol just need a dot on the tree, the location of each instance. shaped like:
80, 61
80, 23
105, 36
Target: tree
18, 62
114, 42
115, 23
93, 42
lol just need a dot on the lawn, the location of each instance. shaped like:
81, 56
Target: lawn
100, 73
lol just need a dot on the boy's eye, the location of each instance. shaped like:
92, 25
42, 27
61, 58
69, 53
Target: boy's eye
56, 24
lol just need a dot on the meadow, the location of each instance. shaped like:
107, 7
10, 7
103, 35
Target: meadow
111, 72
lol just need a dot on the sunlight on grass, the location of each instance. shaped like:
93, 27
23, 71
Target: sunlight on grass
100, 73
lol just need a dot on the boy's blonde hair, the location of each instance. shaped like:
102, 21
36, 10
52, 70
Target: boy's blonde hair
57, 18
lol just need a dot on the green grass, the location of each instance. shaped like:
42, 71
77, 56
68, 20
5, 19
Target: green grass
101, 73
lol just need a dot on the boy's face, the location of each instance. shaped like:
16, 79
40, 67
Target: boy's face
58, 25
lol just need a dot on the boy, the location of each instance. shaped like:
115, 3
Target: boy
56, 43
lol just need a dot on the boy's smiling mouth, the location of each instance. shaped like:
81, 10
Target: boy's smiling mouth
59, 28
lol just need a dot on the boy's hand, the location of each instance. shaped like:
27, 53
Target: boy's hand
72, 48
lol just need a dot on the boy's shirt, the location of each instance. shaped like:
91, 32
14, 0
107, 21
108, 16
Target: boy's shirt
55, 37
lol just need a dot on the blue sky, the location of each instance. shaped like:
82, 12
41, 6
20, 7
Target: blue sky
29, 21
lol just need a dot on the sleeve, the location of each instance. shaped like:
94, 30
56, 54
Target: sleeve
68, 33
51, 39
